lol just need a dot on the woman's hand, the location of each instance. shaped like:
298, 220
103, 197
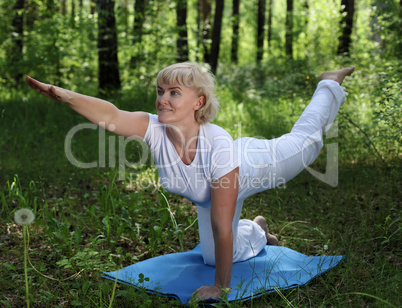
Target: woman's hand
206, 292
100, 112
52, 92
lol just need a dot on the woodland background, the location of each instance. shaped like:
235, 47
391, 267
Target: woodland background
267, 56
115, 44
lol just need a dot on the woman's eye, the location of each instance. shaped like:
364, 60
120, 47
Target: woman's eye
159, 92
174, 93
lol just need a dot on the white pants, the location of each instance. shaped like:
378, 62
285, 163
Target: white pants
265, 164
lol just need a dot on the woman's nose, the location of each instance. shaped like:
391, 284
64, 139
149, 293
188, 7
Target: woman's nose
163, 99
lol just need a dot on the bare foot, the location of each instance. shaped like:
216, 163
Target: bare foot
338, 75
271, 239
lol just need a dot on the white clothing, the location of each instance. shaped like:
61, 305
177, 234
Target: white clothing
214, 158
263, 164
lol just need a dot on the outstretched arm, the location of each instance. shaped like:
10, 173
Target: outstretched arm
98, 111
223, 206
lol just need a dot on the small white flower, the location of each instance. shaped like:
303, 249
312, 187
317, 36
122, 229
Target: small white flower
24, 217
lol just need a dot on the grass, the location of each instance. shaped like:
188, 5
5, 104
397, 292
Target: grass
89, 220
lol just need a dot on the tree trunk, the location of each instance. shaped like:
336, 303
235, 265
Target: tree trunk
216, 35
269, 23
289, 29
126, 17
306, 9
260, 29
73, 13
139, 19
50, 41
235, 28
304, 25
80, 9
206, 9
63, 7
181, 42
348, 8
198, 29
31, 15
109, 78
92, 4
17, 36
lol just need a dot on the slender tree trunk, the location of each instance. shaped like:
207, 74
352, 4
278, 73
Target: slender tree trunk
348, 8
181, 42
52, 48
216, 35
126, 16
139, 19
206, 10
31, 14
306, 9
109, 78
269, 23
289, 29
93, 7
198, 29
235, 28
72, 13
63, 7
80, 9
260, 29
304, 25
17, 36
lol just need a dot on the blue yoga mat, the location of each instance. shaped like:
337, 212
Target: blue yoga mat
178, 275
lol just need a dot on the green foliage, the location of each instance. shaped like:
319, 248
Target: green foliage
67, 55
388, 26
89, 260
388, 110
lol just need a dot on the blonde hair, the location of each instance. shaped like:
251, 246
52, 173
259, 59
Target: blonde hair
193, 75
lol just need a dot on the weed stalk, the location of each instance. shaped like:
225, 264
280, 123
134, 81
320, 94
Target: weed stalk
25, 231
114, 290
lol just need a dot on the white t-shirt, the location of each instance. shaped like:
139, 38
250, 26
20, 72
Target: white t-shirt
214, 158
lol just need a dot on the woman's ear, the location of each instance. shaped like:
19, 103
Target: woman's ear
200, 102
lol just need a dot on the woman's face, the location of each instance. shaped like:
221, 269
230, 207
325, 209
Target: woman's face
177, 104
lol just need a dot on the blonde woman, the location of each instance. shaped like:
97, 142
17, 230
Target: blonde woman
201, 162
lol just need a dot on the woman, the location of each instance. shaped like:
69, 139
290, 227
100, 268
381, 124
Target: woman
201, 162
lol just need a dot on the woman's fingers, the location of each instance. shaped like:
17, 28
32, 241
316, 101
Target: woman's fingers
37, 86
206, 292
34, 84
46, 89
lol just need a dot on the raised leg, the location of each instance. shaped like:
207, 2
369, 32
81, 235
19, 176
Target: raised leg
269, 163
288, 155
